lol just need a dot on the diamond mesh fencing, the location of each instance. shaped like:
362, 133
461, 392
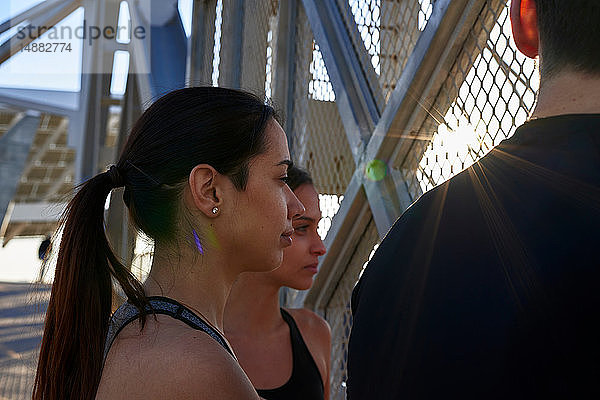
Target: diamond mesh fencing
338, 312
321, 145
257, 17
269, 64
329, 157
489, 91
302, 80
217, 43
401, 25
274, 6
389, 30
319, 87
142, 256
366, 16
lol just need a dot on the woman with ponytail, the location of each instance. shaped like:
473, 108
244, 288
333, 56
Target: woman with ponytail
204, 171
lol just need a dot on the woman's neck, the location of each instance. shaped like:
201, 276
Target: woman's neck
201, 283
253, 306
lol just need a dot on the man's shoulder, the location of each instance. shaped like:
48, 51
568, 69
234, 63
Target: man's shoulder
445, 221
455, 196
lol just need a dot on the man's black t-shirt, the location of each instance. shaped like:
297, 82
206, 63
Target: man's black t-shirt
489, 285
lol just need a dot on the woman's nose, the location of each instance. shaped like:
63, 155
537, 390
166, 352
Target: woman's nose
295, 207
318, 247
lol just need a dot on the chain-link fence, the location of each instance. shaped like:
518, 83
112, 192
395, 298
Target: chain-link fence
488, 92
338, 312
389, 31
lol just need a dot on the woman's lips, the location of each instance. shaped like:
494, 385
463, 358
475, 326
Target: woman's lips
314, 268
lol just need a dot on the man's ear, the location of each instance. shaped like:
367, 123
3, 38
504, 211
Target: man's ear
203, 190
523, 18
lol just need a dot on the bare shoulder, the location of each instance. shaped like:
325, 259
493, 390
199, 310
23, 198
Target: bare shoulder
315, 331
168, 359
309, 322
317, 336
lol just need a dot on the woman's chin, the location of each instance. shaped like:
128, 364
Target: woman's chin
300, 285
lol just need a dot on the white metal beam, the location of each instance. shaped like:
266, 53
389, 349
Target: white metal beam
37, 212
52, 15
356, 96
232, 28
48, 101
21, 215
34, 12
199, 70
6, 219
16, 230
284, 67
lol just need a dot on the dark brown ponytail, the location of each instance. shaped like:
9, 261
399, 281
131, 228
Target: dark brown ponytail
70, 361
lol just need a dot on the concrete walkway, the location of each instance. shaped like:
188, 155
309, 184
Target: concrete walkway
22, 308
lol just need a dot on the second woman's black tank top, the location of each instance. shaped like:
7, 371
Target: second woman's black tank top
306, 382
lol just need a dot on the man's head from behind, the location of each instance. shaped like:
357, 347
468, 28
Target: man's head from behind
565, 32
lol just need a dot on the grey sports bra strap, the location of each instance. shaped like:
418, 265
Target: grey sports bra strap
159, 305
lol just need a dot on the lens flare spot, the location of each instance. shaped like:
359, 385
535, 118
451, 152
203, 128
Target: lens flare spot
211, 237
376, 170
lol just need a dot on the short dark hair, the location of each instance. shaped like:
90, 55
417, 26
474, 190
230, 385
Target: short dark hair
298, 177
569, 35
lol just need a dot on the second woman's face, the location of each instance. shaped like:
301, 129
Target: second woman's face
258, 222
301, 259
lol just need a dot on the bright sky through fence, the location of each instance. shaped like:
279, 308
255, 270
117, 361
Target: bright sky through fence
495, 104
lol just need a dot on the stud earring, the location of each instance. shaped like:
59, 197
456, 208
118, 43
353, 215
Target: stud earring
215, 210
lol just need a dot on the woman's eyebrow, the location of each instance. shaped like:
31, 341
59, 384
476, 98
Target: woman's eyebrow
303, 218
289, 163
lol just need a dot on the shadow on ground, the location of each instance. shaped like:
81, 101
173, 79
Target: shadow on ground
22, 308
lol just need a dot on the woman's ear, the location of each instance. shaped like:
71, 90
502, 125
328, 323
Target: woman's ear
203, 190
523, 18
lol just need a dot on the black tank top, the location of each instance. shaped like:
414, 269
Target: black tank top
159, 305
306, 382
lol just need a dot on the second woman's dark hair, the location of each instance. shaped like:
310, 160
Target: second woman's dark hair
297, 177
221, 127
